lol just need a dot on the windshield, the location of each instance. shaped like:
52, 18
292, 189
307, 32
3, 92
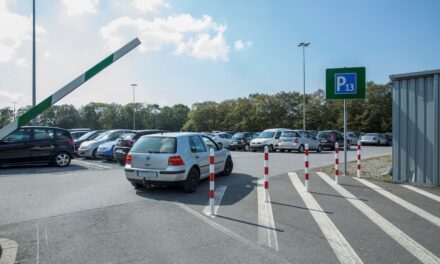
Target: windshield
103, 136
267, 135
238, 136
371, 135
127, 136
155, 145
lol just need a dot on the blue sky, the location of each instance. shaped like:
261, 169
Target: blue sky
190, 52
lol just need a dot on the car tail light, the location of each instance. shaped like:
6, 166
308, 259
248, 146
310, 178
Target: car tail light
332, 137
128, 159
131, 143
296, 140
70, 142
242, 141
175, 161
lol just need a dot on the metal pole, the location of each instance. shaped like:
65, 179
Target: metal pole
14, 110
134, 105
345, 137
304, 87
33, 57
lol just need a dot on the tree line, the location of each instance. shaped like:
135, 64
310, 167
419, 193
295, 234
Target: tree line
253, 113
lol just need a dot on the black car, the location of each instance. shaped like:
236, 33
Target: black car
33, 144
91, 135
329, 138
125, 142
242, 140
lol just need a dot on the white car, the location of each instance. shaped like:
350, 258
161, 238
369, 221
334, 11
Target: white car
269, 138
221, 138
297, 140
174, 158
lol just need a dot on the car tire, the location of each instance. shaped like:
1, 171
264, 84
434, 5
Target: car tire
270, 148
192, 181
229, 166
301, 149
247, 147
94, 153
61, 159
319, 149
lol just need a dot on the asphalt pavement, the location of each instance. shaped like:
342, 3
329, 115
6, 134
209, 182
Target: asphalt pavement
89, 213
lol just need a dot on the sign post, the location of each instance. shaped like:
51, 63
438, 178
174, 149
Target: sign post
343, 84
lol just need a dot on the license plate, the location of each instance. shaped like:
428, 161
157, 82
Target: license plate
234, 142
119, 151
146, 174
323, 141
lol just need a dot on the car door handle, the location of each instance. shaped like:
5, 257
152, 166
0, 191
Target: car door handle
196, 157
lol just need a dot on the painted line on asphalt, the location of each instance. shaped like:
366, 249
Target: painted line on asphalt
218, 196
91, 164
417, 250
230, 233
267, 234
38, 245
9, 251
422, 192
409, 206
343, 250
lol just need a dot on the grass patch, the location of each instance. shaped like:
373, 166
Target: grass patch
371, 168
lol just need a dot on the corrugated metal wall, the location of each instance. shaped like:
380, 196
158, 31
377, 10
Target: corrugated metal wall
416, 119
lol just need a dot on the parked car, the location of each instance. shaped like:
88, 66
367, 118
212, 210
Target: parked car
242, 140
34, 144
297, 140
373, 139
328, 139
389, 138
126, 141
222, 139
269, 138
106, 150
78, 132
88, 149
352, 138
174, 158
91, 135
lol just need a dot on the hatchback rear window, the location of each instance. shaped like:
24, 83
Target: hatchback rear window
166, 145
323, 135
127, 136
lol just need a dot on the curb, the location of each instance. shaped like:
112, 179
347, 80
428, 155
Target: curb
8, 249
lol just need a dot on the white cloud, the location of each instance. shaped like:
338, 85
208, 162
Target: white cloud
146, 6
11, 96
201, 38
80, 7
12, 37
22, 62
239, 44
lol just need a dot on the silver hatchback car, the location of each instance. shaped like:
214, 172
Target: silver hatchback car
174, 158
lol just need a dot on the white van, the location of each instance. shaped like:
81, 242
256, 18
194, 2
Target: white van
269, 138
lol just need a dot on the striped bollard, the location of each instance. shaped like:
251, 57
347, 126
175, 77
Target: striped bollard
211, 181
337, 163
358, 168
266, 174
306, 167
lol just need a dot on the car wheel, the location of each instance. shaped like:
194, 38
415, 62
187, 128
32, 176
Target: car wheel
94, 153
270, 148
247, 147
229, 165
192, 181
301, 149
319, 149
61, 159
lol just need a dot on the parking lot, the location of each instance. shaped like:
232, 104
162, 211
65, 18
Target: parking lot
85, 212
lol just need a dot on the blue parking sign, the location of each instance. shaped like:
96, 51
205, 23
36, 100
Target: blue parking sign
345, 83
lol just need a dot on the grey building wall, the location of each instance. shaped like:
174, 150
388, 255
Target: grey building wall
416, 132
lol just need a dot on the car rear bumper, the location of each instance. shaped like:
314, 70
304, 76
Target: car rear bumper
157, 176
369, 142
288, 145
237, 146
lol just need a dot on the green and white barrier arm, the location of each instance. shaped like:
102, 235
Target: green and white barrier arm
68, 88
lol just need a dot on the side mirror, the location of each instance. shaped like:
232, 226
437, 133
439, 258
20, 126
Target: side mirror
220, 147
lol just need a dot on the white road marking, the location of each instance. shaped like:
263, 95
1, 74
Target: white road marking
409, 206
422, 192
218, 196
267, 234
38, 245
45, 231
343, 250
91, 164
229, 233
417, 250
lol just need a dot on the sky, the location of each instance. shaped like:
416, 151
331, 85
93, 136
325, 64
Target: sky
198, 50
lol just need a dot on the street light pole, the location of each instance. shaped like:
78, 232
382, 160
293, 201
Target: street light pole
13, 113
33, 57
134, 106
304, 45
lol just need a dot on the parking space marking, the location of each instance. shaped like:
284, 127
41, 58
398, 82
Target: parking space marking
267, 234
218, 196
409, 206
229, 233
343, 250
417, 250
91, 164
422, 192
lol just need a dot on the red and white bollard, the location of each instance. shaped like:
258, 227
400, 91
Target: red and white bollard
266, 174
211, 181
306, 167
337, 163
358, 168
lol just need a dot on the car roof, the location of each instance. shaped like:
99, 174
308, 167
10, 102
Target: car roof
276, 129
175, 134
44, 127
